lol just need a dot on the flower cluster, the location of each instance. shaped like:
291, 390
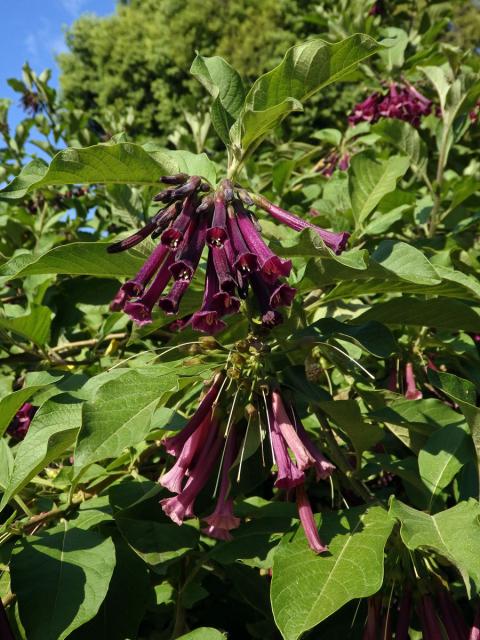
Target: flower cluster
438, 614
332, 161
238, 258
402, 102
205, 439
20, 424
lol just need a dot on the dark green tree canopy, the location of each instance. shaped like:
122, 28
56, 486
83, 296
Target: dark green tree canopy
137, 60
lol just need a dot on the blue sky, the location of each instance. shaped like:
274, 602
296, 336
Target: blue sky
33, 31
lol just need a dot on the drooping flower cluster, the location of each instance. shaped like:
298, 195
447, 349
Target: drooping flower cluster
20, 424
402, 102
238, 259
332, 161
438, 614
207, 438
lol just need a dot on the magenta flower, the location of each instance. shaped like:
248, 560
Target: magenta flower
5, 630
194, 219
373, 625
475, 630
429, 620
19, 426
412, 393
197, 448
402, 102
404, 612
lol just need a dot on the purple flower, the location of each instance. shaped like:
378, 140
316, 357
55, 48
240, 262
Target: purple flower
308, 522
222, 520
402, 102
238, 257
19, 426
372, 627
475, 630
197, 447
429, 620
404, 611
412, 393
452, 619
334, 241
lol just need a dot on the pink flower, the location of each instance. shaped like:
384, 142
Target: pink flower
308, 522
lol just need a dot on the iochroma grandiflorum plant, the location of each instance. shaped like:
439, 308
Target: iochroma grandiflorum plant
241, 377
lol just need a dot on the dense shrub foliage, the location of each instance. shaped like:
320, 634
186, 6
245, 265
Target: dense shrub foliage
240, 374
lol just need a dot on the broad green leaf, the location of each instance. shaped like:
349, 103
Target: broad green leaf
444, 454
346, 414
307, 588
453, 534
371, 180
60, 578
6, 463
406, 139
225, 85
34, 326
52, 431
153, 536
122, 163
371, 336
439, 79
393, 55
77, 258
305, 69
119, 415
11, 403
124, 606
439, 313
204, 633
463, 393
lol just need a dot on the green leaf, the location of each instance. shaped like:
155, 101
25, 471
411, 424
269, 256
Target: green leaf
6, 463
347, 415
370, 181
124, 606
148, 531
119, 415
307, 588
225, 85
305, 69
406, 139
122, 163
452, 315
60, 578
463, 393
11, 403
444, 454
34, 326
52, 431
453, 534
204, 633
77, 258
181, 161
371, 336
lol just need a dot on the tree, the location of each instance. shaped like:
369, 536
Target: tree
137, 60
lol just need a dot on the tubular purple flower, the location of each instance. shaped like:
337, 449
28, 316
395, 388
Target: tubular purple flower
189, 256
217, 233
270, 317
174, 444
225, 278
222, 520
134, 239
271, 266
288, 474
141, 310
173, 479
172, 236
119, 300
430, 624
412, 392
180, 506
245, 260
178, 178
323, 467
208, 318
451, 617
225, 304
281, 295
403, 622
19, 426
334, 241
170, 303
283, 425
136, 285
308, 522
372, 627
